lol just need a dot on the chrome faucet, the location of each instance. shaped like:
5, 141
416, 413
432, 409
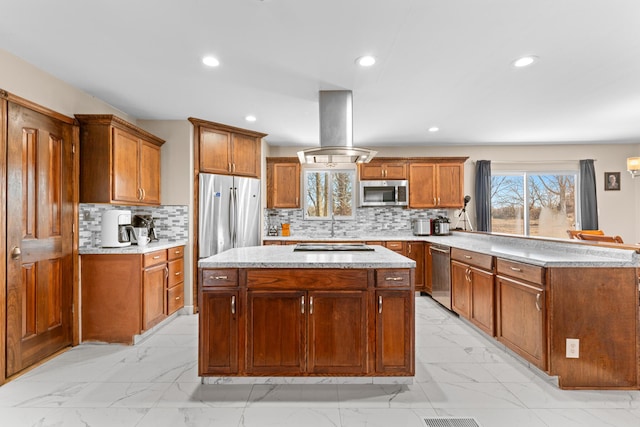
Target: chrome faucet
333, 223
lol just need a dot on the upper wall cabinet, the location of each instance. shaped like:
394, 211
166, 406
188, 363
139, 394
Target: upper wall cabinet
227, 150
383, 169
436, 184
283, 182
119, 162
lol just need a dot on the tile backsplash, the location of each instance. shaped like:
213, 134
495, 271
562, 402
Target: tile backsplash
172, 222
368, 220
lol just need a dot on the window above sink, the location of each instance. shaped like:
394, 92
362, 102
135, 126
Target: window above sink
330, 192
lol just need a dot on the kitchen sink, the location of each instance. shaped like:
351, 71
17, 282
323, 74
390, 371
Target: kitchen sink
326, 247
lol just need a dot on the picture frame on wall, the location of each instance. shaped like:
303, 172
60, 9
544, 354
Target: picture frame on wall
612, 181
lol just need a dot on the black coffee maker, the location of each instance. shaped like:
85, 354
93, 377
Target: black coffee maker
145, 221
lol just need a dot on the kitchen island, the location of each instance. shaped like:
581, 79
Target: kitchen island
277, 312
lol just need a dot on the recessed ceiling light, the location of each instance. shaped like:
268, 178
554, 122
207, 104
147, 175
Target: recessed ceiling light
525, 61
250, 118
434, 129
366, 61
210, 61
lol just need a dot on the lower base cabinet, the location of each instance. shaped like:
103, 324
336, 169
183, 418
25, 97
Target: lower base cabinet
265, 326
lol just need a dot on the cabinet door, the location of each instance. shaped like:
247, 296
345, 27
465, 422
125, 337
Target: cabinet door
482, 300
394, 331
461, 289
153, 295
215, 151
422, 185
124, 167
246, 155
450, 185
285, 186
415, 251
520, 319
219, 333
371, 171
283, 351
395, 170
150, 173
337, 332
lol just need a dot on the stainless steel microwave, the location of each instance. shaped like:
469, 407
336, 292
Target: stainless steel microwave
384, 193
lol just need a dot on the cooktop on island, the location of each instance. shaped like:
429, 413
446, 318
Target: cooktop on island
322, 247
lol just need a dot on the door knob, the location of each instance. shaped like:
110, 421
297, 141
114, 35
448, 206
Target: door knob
16, 252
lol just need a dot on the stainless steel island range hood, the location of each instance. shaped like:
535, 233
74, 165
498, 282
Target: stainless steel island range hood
336, 132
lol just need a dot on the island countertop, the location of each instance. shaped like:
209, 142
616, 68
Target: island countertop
274, 256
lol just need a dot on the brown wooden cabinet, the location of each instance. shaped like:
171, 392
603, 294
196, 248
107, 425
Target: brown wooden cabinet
436, 185
521, 310
227, 150
416, 251
175, 280
472, 288
119, 162
283, 183
124, 295
307, 322
383, 169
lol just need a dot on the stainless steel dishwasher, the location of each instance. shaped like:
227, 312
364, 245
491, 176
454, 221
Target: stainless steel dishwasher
441, 274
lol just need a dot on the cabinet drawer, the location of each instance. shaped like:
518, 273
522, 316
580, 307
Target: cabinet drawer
153, 258
393, 278
475, 259
519, 270
395, 246
219, 278
175, 253
176, 272
175, 299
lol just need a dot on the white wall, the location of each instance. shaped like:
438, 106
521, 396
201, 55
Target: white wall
619, 211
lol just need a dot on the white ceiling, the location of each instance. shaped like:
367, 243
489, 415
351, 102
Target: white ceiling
444, 63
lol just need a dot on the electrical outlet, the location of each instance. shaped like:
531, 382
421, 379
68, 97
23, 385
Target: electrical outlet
86, 215
573, 348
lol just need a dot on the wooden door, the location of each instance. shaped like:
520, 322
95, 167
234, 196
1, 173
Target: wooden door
39, 236
482, 300
415, 251
521, 319
450, 185
150, 173
219, 333
124, 167
337, 332
394, 332
422, 185
153, 295
246, 155
215, 151
285, 191
276, 332
461, 289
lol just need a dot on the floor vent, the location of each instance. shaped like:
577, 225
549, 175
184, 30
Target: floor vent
450, 422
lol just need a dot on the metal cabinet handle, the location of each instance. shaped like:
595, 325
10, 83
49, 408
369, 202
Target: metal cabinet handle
229, 167
16, 252
302, 306
431, 249
310, 305
468, 256
379, 303
394, 279
434, 201
219, 277
233, 304
156, 257
144, 194
166, 272
538, 302
516, 269
178, 273
438, 201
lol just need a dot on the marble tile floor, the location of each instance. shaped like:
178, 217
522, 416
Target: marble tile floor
459, 373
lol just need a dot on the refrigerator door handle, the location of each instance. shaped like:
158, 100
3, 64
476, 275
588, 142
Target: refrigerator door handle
231, 217
235, 217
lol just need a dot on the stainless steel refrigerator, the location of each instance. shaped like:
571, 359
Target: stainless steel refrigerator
229, 213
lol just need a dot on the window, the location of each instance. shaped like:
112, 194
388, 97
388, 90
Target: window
545, 206
329, 192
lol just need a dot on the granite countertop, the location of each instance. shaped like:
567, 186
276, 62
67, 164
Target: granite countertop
133, 249
274, 256
540, 252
